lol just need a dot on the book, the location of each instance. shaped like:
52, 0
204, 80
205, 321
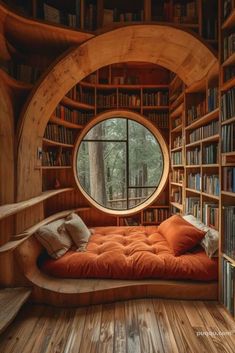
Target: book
51, 13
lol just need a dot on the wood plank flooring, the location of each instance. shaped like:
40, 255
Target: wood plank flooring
135, 326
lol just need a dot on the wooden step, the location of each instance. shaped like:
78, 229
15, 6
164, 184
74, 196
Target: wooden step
11, 300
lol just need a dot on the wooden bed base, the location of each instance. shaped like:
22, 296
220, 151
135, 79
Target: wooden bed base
81, 292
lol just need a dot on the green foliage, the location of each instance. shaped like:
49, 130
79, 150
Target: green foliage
145, 160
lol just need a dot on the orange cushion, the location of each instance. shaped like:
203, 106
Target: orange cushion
180, 235
132, 253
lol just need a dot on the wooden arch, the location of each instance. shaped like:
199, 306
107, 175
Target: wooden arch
168, 46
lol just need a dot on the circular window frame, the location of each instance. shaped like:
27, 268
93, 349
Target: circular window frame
165, 153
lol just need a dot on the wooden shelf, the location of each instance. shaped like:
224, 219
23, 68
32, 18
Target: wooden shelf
228, 193
176, 102
228, 121
107, 86
176, 184
45, 167
65, 123
177, 128
153, 107
210, 196
11, 300
210, 165
228, 84
11, 209
205, 140
177, 149
177, 165
55, 143
204, 119
230, 259
76, 105
230, 21
193, 166
178, 111
156, 206
229, 61
177, 205
193, 190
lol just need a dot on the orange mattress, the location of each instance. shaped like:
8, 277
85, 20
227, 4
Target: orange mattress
132, 253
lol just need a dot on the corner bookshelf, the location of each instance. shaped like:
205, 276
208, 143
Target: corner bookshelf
227, 162
202, 175
177, 145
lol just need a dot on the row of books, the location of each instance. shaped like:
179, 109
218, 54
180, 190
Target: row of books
192, 206
178, 141
212, 99
72, 115
210, 214
229, 231
196, 111
59, 134
176, 195
228, 104
210, 154
228, 276
128, 100
161, 119
176, 158
156, 215
23, 72
229, 179
109, 100
193, 156
210, 28
177, 176
83, 15
85, 97
211, 184
195, 181
229, 46
204, 131
156, 99
229, 72
176, 122
53, 158
228, 138
117, 15
227, 8
180, 12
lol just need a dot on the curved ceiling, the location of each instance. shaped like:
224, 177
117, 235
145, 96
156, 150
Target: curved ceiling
168, 46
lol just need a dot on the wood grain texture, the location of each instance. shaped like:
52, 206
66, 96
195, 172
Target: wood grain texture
187, 55
11, 300
137, 326
21, 32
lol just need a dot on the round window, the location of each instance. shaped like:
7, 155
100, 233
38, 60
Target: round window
120, 163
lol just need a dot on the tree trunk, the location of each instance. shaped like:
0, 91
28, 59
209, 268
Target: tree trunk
97, 172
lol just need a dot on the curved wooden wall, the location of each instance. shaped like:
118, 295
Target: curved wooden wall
170, 47
6, 144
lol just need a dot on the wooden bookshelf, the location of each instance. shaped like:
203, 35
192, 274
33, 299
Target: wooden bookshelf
8, 210
227, 158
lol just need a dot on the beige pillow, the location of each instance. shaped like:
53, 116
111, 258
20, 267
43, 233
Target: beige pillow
210, 242
77, 230
54, 238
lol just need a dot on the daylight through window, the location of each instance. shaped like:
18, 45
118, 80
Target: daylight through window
119, 163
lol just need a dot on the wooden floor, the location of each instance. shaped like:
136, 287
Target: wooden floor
136, 326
